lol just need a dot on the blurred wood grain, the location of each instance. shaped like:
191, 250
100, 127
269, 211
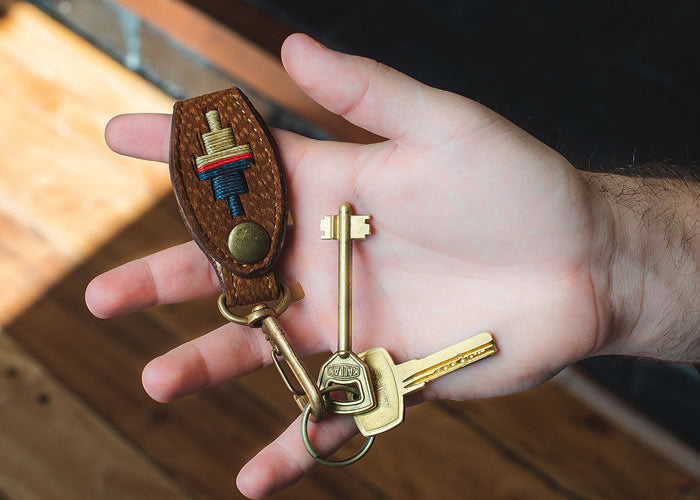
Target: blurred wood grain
62, 192
52, 446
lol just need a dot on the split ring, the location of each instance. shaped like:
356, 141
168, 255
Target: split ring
305, 433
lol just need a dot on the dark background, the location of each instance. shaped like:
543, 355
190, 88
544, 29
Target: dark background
606, 83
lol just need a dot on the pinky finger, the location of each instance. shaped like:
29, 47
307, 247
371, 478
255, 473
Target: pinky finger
284, 461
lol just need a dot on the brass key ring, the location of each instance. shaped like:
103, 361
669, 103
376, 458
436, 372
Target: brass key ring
305, 432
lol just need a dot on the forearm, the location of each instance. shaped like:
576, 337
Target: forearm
651, 230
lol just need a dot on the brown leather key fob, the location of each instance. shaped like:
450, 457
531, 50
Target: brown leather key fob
229, 183
231, 189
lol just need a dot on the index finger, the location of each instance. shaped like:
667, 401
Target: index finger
141, 135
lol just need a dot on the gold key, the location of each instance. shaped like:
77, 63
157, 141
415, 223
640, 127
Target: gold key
392, 382
345, 367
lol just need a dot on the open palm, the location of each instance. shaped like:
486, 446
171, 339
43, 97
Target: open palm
476, 226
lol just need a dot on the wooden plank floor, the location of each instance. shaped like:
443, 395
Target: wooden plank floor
53, 446
74, 420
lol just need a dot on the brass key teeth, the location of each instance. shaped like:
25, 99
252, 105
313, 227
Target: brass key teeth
442, 365
359, 227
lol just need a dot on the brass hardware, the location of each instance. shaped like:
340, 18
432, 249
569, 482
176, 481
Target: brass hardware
348, 371
415, 373
258, 314
307, 442
264, 317
344, 367
392, 382
248, 242
344, 280
278, 309
345, 227
359, 229
283, 375
274, 332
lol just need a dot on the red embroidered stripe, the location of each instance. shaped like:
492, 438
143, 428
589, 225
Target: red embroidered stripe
228, 159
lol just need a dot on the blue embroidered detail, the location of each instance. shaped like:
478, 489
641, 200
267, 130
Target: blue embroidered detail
228, 181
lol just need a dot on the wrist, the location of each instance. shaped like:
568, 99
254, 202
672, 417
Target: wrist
647, 265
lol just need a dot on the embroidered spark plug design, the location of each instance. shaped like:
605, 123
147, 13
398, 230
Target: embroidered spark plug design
224, 164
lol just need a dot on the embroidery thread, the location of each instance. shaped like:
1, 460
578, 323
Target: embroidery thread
224, 164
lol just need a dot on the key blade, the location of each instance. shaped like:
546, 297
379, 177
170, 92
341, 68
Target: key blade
414, 374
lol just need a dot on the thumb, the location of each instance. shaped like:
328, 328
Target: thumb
376, 97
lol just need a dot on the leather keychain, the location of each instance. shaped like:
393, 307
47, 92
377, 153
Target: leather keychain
231, 189
230, 186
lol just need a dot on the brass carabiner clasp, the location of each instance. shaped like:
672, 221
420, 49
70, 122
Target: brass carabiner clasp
280, 342
265, 317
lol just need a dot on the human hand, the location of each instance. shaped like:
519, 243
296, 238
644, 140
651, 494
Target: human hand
476, 226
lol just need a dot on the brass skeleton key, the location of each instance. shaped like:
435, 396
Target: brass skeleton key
345, 367
392, 382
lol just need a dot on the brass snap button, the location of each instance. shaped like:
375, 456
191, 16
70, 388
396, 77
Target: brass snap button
248, 242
